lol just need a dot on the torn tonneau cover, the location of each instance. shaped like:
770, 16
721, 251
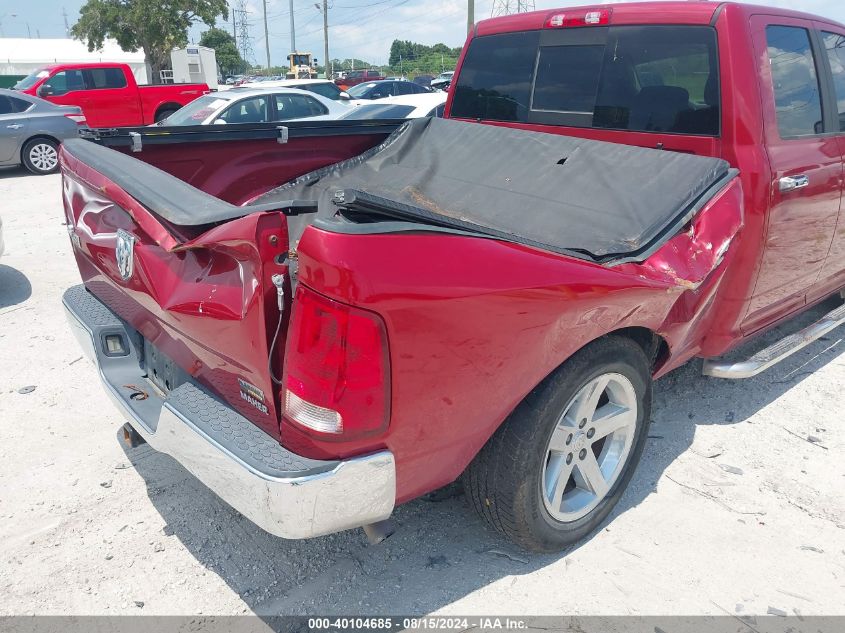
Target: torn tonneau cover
591, 199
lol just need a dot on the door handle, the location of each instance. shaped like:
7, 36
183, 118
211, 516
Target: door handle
790, 183
16, 126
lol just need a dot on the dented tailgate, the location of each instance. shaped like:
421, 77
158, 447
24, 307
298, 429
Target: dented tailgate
202, 296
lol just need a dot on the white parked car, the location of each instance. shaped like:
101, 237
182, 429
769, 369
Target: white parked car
255, 105
322, 87
443, 81
401, 107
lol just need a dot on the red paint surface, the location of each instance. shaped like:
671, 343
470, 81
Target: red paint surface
474, 324
129, 106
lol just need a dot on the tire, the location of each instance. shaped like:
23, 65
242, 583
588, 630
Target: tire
41, 156
512, 482
163, 114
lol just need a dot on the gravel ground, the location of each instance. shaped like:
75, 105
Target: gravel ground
736, 507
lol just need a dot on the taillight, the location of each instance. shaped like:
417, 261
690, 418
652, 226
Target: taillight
594, 17
337, 371
79, 119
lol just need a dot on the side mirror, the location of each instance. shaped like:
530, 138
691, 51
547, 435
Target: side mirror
344, 95
220, 122
45, 90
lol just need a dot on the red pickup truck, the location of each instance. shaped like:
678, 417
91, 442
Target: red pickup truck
324, 320
108, 93
355, 77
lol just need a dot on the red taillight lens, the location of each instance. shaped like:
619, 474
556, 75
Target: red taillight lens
581, 18
79, 119
337, 372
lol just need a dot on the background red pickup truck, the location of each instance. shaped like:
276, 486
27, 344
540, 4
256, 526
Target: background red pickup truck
108, 93
355, 77
349, 363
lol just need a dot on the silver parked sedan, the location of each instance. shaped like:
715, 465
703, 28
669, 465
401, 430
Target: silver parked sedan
32, 129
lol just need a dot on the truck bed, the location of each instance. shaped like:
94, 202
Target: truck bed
588, 199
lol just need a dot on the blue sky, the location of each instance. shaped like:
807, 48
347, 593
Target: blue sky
363, 28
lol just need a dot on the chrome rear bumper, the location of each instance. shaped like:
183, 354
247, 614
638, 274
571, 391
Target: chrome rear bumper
283, 493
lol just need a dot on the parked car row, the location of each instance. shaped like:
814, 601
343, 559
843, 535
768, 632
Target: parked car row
31, 130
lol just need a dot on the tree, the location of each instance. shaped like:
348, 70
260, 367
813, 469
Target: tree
405, 55
228, 57
154, 26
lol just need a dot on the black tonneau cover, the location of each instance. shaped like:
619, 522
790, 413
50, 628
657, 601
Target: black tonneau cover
591, 199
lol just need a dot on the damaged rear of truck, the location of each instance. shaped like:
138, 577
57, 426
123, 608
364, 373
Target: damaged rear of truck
322, 321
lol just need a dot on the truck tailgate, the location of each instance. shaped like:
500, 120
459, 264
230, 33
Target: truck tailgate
191, 274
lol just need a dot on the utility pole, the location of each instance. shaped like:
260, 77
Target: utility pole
235, 27
64, 15
292, 30
266, 36
326, 37
470, 15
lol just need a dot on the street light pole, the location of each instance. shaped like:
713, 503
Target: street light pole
326, 38
266, 36
470, 15
292, 30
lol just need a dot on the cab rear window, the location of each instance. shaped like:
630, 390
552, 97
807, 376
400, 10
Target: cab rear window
639, 78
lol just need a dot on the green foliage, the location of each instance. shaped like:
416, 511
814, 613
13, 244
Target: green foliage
349, 64
413, 58
154, 26
228, 57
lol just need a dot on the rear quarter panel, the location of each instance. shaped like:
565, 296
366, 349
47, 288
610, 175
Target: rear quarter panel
475, 324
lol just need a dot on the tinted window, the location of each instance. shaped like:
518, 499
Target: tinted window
330, 91
297, 107
247, 111
495, 80
438, 111
567, 78
796, 86
6, 105
835, 46
65, 82
404, 88
102, 78
642, 78
12, 105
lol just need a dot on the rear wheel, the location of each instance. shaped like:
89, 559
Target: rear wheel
41, 156
163, 114
560, 462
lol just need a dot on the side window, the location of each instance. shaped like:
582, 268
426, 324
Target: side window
65, 81
247, 111
403, 88
795, 81
289, 106
11, 105
19, 105
330, 91
834, 44
105, 78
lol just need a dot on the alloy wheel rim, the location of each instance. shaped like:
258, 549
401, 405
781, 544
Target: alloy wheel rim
589, 447
43, 156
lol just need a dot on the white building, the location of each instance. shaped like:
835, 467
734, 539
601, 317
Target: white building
20, 56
